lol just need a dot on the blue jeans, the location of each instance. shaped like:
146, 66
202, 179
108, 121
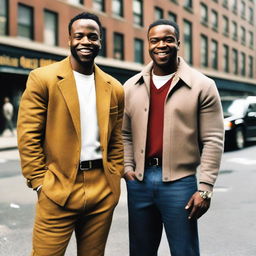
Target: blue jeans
153, 204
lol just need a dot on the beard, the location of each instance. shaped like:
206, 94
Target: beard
86, 61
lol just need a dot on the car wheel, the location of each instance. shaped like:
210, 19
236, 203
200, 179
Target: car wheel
239, 138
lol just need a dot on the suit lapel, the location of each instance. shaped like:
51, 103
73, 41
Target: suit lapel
68, 89
103, 96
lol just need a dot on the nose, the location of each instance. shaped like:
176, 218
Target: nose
161, 43
85, 40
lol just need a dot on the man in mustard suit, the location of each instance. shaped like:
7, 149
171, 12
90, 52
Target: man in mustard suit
69, 138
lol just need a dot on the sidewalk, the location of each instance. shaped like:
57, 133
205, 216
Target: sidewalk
8, 141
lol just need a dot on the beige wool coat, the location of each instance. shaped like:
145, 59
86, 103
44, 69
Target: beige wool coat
193, 126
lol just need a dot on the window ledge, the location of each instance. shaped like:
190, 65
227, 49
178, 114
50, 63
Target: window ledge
226, 34
234, 10
215, 29
204, 23
189, 9
175, 2
115, 16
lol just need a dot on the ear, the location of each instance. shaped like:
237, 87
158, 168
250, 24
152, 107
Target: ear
178, 45
100, 44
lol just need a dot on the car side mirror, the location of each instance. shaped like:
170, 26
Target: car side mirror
251, 114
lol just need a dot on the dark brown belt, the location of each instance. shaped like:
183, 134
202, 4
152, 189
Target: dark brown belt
91, 164
153, 161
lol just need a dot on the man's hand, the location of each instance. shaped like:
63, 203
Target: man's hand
130, 175
197, 206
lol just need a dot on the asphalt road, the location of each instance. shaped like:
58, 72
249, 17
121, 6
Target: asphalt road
228, 229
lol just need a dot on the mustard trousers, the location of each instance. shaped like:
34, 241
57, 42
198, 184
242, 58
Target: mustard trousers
88, 212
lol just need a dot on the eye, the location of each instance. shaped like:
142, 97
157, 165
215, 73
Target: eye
78, 36
153, 40
93, 37
169, 40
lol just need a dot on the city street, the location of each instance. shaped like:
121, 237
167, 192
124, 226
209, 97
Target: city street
228, 229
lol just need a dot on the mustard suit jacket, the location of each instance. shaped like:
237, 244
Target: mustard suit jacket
49, 133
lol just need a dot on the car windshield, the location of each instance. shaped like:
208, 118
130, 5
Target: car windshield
233, 107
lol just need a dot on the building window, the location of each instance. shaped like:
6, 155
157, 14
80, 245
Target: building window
204, 13
118, 8
138, 51
243, 62
76, 1
214, 20
50, 28
172, 16
3, 17
188, 41
243, 9
235, 61
214, 54
25, 21
234, 6
204, 51
103, 50
225, 26
225, 58
250, 66
243, 35
138, 12
234, 30
188, 4
225, 3
99, 5
251, 16
118, 46
159, 13
251, 43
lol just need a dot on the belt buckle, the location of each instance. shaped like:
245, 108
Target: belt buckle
157, 161
86, 168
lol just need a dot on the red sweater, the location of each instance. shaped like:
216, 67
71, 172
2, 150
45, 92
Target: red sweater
156, 119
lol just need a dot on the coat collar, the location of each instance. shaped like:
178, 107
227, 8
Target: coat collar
103, 96
68, 89
183, 73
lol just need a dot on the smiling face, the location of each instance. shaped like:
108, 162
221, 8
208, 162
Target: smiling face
84, 42
163, 49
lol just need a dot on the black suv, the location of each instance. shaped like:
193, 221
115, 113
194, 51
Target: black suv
239, 120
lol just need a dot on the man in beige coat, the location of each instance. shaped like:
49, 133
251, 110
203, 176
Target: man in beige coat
172, 124
69, 138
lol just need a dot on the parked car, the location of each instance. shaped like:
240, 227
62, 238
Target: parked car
239, 121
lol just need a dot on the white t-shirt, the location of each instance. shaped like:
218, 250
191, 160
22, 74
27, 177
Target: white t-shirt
159, 81
90, 142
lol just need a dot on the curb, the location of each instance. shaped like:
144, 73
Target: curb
8, 148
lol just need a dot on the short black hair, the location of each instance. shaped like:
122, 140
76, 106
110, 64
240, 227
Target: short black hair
87, 16
166, 22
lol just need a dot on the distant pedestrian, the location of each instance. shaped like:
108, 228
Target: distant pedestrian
8, 114
173, 123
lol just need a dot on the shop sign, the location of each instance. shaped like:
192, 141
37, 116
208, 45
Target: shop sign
23, 59
24, 62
